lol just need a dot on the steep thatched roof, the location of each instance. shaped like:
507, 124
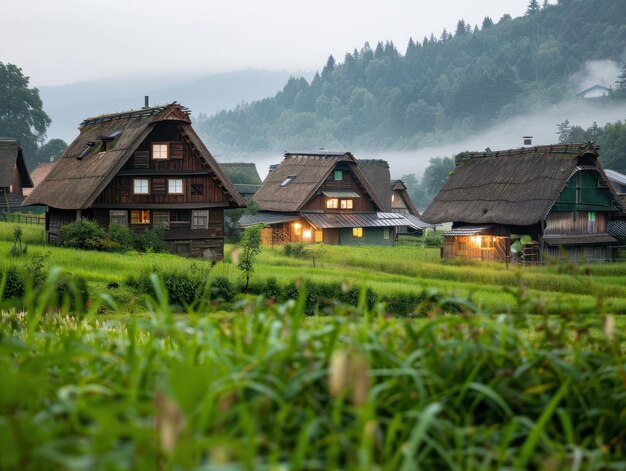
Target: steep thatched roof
399, 188
241, 173
513, 187
38, 175
308, 172
11, 154
78, 178
377, 173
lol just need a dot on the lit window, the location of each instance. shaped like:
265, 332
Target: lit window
357, 232
338, 175
159, 151
141, 186
319, 236
297, 229
200, 219
346, 204
591, 216
118, 217
332, 203
140, 217
175, 186
288, 180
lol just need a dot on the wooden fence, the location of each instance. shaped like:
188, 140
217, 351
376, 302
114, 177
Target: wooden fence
23, 218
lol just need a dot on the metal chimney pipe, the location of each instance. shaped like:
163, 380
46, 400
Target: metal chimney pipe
147, 102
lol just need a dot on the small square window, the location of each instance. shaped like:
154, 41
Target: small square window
346, 204
160, 151
118, 217
162, 219
357, 232
200, 219
141, 186
338, 175
332, 203
175, 186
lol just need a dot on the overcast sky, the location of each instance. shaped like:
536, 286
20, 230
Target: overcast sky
66, 41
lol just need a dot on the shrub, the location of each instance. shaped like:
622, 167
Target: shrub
294, 249
433, 239
84, 234
222, 289
13, 282
72, 292
150, 240
182, 287
122, 236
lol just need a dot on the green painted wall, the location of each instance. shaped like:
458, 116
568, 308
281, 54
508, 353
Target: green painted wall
592, 198
371, 236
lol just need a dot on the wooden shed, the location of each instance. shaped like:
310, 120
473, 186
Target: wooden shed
14, 176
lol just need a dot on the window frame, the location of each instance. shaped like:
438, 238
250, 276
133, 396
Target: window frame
161, 214
141, 213
135, 180
114, 219
357, 232
195, 213
346, 204
338, 175
332, 203
169, 186
167, 150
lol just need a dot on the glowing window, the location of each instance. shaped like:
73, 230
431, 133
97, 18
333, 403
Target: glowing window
357, 232
160, 151
319, 236
346, 204
140, 217
141, 186
297, 229
332, 203
175, 186
338, 175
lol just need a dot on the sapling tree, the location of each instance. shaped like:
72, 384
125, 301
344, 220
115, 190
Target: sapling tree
17, 248
251, 247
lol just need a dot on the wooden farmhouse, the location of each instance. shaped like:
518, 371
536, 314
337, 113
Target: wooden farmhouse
558, 196
14, 176
142, 169
401, 203
322, 197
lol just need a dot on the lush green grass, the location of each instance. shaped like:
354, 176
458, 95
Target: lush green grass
266, 388
386, 270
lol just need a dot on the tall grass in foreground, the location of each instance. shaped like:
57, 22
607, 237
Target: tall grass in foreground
267, 390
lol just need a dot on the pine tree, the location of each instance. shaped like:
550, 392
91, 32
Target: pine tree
329, 67
533, 7
460, 28
487, 22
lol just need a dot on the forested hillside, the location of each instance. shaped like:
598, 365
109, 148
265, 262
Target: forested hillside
452, 83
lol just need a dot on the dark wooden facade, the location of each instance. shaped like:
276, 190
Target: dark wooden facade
14, 175
166, 180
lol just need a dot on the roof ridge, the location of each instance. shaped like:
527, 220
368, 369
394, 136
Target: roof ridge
142, 112
574, 149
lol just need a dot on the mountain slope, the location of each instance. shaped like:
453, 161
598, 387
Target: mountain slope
447, 85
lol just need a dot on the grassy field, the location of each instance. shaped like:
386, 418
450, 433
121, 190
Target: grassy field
393, 271
256, 384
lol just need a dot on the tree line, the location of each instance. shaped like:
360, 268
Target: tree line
445, 85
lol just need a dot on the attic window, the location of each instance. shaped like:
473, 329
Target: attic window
338, 175
88, 148
288, 180
160, 151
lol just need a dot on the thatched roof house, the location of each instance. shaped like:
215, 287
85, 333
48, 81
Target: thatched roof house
244, 176
323, 197
38, 175
544, 192
142, 168
14, 176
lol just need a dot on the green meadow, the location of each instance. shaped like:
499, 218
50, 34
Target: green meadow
315, 368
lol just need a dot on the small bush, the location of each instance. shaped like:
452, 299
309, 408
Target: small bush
222, 289
294, 249
433, 239
72, 292
150, 240
122, 236
14, 285
84, 234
